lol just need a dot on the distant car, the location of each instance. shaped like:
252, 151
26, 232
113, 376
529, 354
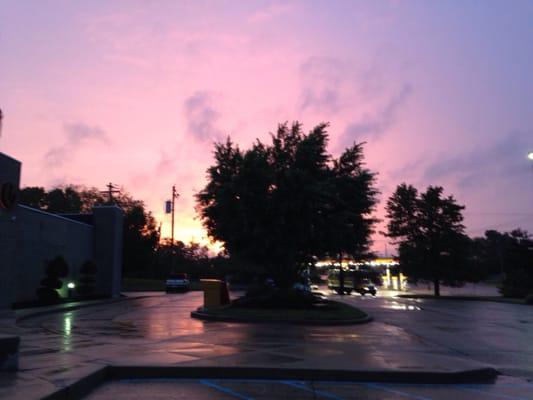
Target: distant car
178, 283
366, 287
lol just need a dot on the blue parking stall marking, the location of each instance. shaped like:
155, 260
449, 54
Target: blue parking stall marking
395, 391
483, 385
144, 380
320, 393
223, 389
468, 388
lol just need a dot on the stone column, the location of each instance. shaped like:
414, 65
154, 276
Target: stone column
9, 186
108, 235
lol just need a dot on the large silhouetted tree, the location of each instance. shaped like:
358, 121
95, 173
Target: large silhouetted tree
430, 235
279, 205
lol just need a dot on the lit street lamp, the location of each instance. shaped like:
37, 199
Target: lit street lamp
71, 286
530, 155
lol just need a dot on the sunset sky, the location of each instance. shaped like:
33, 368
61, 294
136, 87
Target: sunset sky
136, 92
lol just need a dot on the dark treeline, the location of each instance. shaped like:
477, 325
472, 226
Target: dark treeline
281, 205
144, 255
506, 254
141, 234
432, 245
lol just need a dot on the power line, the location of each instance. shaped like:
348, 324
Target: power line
111, 189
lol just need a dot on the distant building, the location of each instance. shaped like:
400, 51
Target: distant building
388, 267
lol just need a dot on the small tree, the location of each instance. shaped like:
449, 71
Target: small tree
430, 235
88, 271
55, 269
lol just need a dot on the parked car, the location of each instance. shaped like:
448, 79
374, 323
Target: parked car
178, 283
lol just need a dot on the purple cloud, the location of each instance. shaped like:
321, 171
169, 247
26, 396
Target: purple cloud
374, 126
202, 117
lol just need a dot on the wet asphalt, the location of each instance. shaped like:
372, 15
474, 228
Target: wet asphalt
405, 334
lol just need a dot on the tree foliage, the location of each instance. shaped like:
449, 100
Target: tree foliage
278, 206
509, 254
429, 231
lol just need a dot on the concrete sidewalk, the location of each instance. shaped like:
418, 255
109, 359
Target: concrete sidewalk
15, 384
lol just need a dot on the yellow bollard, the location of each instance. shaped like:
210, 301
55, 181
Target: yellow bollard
215, 293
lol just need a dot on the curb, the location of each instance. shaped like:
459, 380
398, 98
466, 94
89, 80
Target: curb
85, 385
82, 387
466, 376
206, 316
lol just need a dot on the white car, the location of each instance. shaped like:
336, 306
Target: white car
177, 283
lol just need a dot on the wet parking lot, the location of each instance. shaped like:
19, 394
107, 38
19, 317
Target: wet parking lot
157, 330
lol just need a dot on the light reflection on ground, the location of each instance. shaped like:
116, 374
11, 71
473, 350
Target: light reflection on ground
67, 332
402, 306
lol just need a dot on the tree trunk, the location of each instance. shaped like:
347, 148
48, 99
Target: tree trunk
436, 287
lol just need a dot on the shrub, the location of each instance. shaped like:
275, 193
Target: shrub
55, 269
270, 297
517, 284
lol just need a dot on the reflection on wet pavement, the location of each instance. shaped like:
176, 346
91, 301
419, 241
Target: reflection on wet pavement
394, 305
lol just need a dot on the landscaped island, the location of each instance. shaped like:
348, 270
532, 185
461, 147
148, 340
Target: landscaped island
284, 306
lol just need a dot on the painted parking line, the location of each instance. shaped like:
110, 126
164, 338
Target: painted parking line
319, 393
223, 389
481, 385
395, 391
484, 392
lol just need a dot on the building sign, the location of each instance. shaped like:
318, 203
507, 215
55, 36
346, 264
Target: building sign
8, 195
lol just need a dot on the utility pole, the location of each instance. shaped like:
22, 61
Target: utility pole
175, 195
111, 189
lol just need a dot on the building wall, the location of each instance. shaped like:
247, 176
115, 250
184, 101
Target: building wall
108, 235
10, 174
41, 236
30, 237
7, 259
